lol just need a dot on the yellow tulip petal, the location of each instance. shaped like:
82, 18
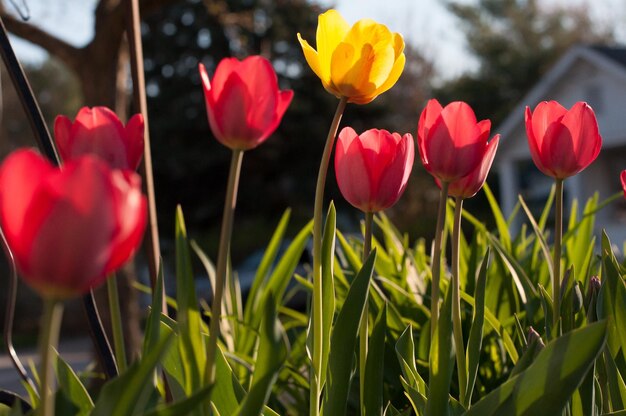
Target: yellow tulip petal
398, 44
331, 29
368, 31
394, 75
312, 58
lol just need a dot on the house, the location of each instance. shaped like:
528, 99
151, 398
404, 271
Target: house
597, 75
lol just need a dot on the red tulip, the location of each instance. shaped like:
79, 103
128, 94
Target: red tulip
450, 141
99, 131
69, 228
243, 101
373, 169
623, 178
469, 185
562, 142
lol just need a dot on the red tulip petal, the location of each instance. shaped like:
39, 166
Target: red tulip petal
62, 136
21, 176
131, 216
623, 179
226, 114
99, 131
535, 150
72, 245
135, 131
581, 123
223, 71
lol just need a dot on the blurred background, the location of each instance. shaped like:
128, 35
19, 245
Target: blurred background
489, 53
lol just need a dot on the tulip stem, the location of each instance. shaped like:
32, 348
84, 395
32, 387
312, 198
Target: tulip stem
116, 323
363, 330
558, 236
317, 306
50, 327
456, 301
436, 259
222, 260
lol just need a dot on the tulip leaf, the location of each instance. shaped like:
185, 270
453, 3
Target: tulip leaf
441, 361
131, 393
227, 392
405, 350
612, 300
153, 323
501, 224
72, 388
374, 366
270, 358
343, 342
548, 383
328, 286
260, 277
192, 347
474, 343
185, 406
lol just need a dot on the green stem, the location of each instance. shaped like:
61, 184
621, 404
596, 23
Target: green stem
456, 302
50, 327
363, 331
116, 323
222, 261
436, 260
318, 225
556, 263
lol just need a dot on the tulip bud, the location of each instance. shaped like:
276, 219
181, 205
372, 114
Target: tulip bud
451, 143
359, 62
98, 131
244, 104
69, 228
373, 168
562, 142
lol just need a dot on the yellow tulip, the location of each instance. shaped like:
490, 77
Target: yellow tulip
358, 62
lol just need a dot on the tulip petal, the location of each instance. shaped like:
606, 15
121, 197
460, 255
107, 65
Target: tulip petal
62, 136
331, 29
131, 215
98, 131
20, 178
225, 114
72, 245
135, 131
222, 72
581, 123
623, 179
313, 60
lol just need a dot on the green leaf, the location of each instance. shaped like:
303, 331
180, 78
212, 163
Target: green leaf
278, 281
374, 367
262, 273
270, 358
612, 300
441, 361
405, 350
153, 323
474, 343
192, 347
328, 286
130, 393
501, 224
548, 383
72, 388
227, 392
499, 329
185, 406
343, 342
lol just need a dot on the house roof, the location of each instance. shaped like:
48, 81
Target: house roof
617, 54
608, 58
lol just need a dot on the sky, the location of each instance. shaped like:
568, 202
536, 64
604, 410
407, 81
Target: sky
424, 23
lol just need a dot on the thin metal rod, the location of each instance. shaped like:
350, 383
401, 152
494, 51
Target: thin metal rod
100, 340
10, 314
139, 100
25, 93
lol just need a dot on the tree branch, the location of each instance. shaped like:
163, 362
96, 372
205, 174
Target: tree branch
67, 53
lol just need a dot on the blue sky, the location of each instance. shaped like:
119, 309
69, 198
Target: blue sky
425, 23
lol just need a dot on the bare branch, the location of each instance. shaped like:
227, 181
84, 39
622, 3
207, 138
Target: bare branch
67, 53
